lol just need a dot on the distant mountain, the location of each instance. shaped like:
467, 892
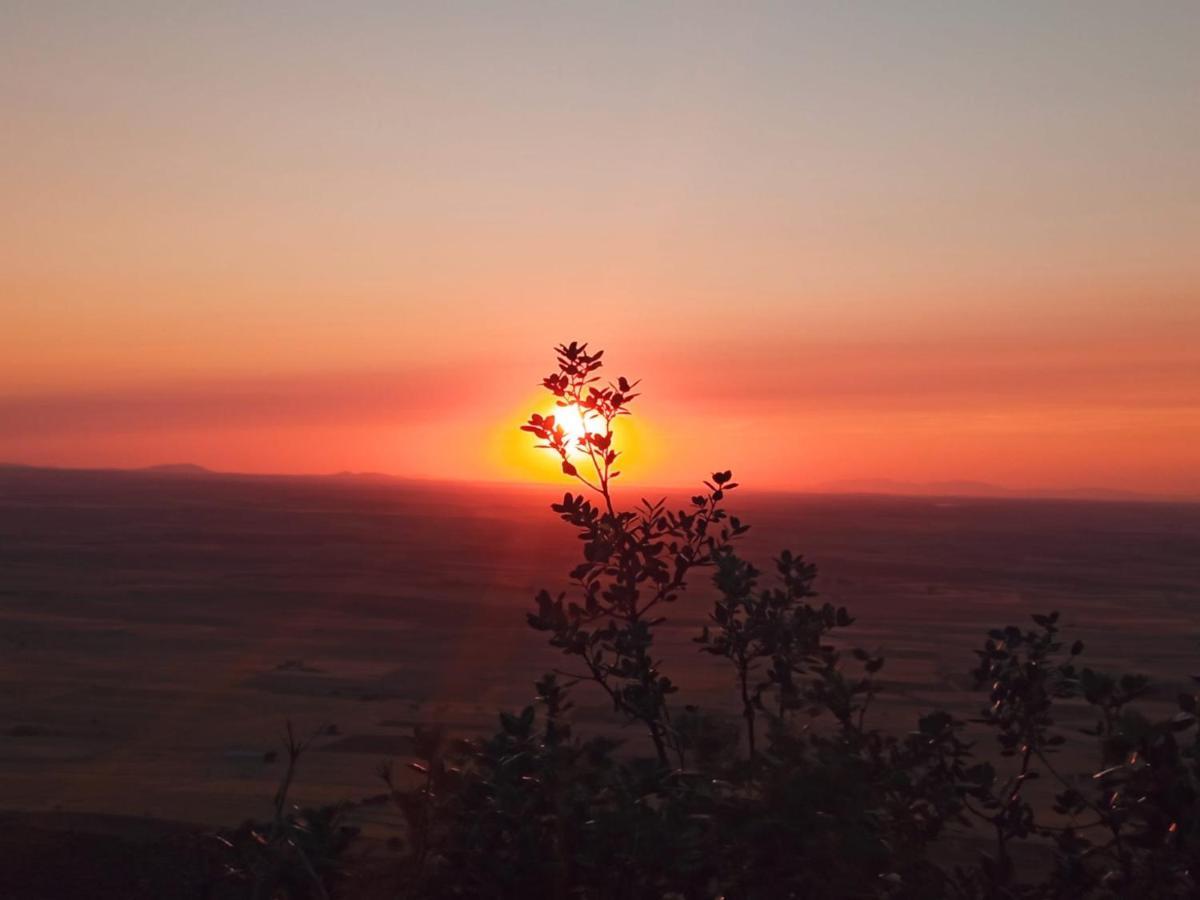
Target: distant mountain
177, 469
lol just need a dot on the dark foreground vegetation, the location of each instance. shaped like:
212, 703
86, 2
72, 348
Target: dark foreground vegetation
800, 794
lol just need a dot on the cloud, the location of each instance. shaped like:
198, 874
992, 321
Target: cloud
781, 378
765, 379
430, 393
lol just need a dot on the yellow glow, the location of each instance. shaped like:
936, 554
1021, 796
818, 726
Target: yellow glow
514, 452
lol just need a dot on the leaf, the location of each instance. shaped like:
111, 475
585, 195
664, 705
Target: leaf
568, 469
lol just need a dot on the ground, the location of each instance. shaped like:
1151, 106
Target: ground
158, 629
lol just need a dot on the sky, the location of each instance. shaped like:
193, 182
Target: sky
911, 241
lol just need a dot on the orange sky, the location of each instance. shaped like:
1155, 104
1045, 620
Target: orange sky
890, 241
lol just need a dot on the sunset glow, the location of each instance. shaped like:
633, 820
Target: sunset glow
262, 241
515, 457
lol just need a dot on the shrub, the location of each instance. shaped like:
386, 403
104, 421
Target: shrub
800, 796
297, 855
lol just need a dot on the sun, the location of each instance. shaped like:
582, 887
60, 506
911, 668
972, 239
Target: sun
511, 455
574, 426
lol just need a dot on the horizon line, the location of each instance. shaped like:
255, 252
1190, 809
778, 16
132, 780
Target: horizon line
863, 487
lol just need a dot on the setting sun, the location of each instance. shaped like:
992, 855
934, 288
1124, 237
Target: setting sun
573, 425
514, 456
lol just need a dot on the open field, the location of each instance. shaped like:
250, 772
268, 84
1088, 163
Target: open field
156, 630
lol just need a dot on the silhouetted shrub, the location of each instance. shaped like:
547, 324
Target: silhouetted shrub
802, 797
808, 800
298, 855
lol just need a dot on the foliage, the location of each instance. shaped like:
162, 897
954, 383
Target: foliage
809, 800
298, 854
798, 795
